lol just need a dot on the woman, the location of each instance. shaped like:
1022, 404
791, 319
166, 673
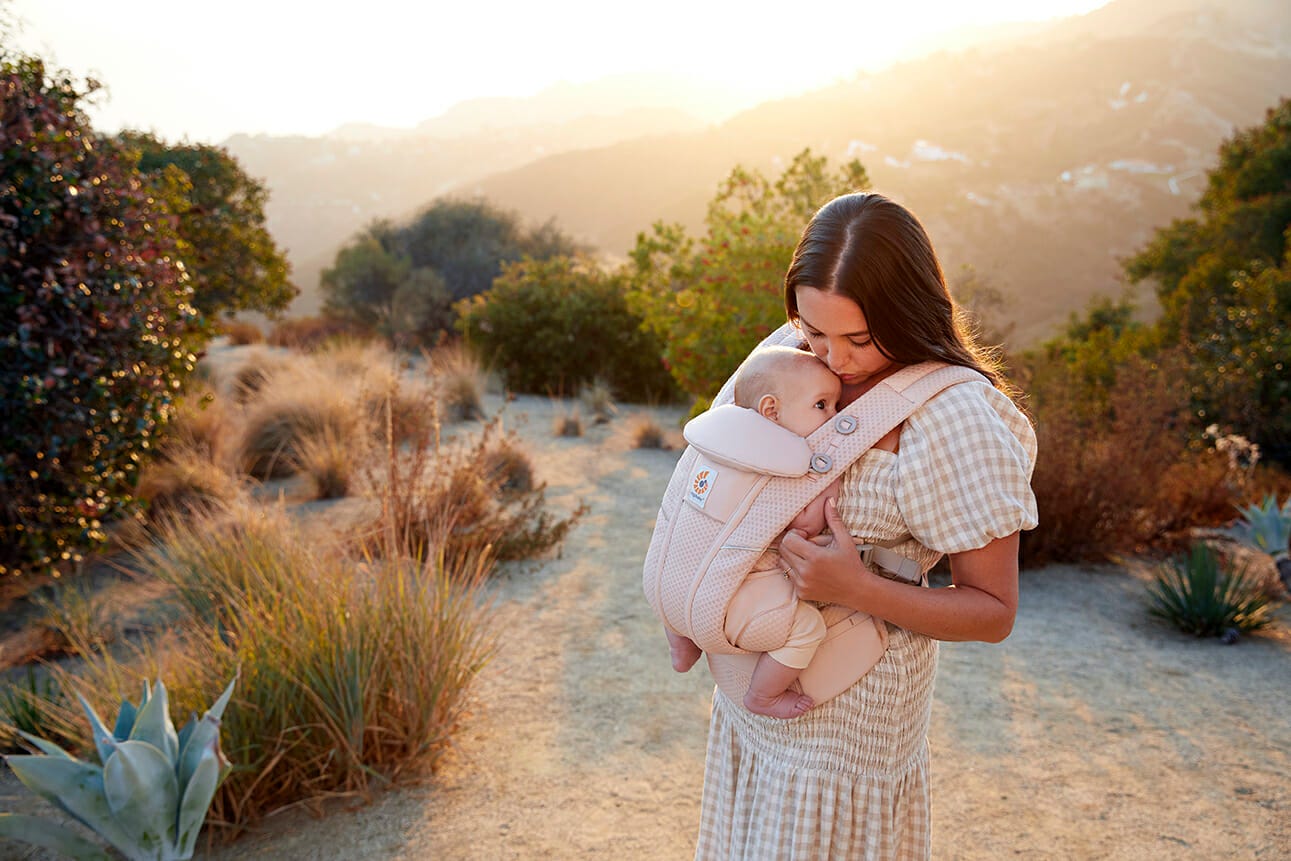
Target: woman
850, 779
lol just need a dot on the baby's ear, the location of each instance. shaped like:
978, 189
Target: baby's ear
769, 408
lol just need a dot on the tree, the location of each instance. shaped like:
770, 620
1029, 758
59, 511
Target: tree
97, 332
552, 325
710, 301
403, 280
361, 284
232, 260
1223, 279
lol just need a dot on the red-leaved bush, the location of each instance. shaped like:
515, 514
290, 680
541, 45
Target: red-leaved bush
96, 333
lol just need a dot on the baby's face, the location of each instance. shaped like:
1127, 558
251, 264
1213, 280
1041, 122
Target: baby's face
810, 398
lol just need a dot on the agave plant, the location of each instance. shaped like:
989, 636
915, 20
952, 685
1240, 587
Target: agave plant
1199, 595
1268, 528
148, 798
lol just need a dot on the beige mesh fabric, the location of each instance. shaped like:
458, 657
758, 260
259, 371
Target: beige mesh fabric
695, 562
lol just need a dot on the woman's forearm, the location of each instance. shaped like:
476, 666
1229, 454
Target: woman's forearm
957, 612
981, 605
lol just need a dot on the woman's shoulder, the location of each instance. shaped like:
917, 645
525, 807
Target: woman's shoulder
973, 412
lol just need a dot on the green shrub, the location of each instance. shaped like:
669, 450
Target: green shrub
559, 323
1199, 595
33, 705
96, 330
711, 301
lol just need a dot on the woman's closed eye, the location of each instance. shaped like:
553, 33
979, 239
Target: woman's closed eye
855, 342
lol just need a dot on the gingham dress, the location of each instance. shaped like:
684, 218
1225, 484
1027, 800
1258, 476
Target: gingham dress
850, 779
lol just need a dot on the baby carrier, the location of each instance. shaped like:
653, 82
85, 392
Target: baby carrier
728, 500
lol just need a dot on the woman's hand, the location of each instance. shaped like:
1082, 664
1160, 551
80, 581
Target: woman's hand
826, 569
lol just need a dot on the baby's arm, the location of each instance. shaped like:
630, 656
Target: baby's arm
810, 522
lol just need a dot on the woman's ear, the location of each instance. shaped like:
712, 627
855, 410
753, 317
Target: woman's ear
769, 407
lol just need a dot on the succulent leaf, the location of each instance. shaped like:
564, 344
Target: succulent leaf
185, 733
47, 747
153, 724
77, 788
198, 793
104, 741
50, 835
205, 734
142, 793
217, 709
125, 721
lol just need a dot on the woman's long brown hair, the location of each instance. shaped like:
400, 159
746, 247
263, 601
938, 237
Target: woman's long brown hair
875, 252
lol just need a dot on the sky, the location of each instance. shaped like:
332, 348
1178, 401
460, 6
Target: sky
204, 71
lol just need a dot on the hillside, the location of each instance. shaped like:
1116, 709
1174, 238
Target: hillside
1041, 157
1040, 163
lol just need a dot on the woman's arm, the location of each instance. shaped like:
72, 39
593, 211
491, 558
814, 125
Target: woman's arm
980, 605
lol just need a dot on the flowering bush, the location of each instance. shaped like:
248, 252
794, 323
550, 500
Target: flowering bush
95, 327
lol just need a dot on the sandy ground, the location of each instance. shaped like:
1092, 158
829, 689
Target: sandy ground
1093, 732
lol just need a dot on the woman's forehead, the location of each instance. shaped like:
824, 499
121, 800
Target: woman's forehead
830, 313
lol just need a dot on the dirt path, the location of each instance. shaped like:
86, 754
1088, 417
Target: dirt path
1090, 733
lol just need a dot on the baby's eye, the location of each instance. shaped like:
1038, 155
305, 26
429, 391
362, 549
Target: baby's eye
820, 404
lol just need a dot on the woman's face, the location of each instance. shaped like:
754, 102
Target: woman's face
837, 332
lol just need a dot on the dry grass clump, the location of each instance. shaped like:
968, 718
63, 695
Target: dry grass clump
648, 433
463, 499
201, 426
569, 423
185, 482
312, 333
460, 381
293, 409
506, 467
255, 372
597, 399
327, 459
241, 333
353, 672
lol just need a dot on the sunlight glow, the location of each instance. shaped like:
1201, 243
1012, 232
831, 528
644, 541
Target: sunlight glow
208, 71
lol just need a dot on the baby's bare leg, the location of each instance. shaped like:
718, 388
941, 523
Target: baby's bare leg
684, 651
770, 690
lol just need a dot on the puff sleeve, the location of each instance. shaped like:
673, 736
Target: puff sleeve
965, 469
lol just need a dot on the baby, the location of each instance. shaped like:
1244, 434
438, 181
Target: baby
797, 391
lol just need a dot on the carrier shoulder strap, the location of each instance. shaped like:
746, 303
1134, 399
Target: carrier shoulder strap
835, 446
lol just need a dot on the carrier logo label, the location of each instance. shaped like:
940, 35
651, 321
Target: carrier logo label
701, 483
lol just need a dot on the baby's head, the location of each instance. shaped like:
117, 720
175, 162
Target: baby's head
791, 387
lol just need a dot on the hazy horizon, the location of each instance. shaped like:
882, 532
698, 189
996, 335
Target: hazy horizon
283, 78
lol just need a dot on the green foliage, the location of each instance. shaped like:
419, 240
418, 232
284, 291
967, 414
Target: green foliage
1199, 595
22, 711
555, 324
149, 796
224, 243
96, 327
1224, 283
404, 279
709, 301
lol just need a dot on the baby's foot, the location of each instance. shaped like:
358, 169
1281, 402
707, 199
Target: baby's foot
789, 704
684, 653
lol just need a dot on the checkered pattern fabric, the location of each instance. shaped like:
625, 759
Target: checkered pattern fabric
850, 779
